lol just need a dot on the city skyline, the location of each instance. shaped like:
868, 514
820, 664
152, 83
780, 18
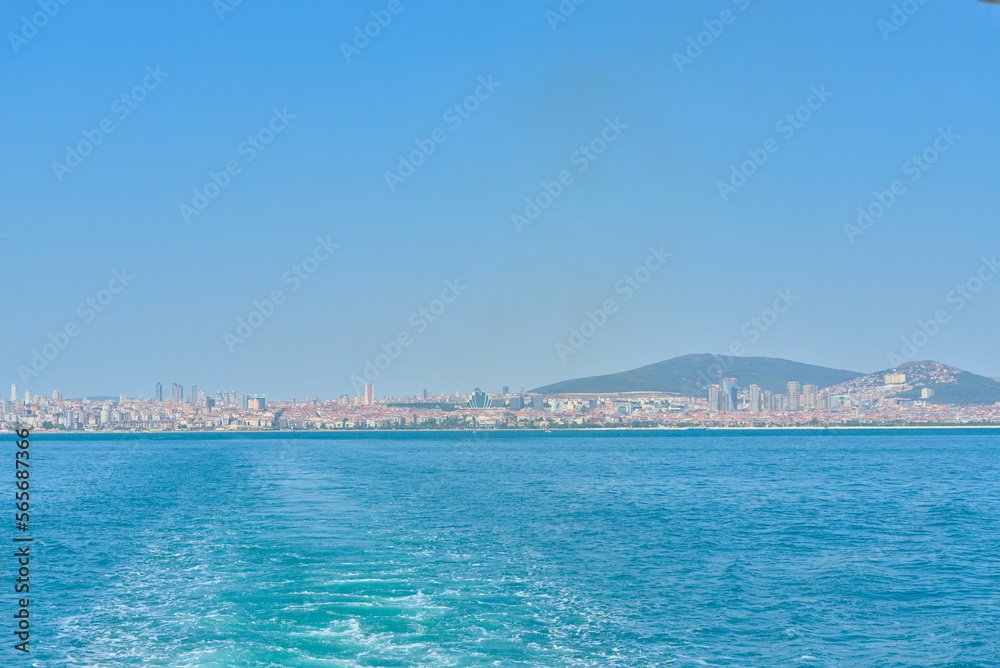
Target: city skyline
724, 393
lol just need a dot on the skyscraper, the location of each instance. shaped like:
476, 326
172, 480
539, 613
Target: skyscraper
176, 393
729, 401
56, 395
810, 397
506, 390
158, 392
755, 398
13, 393
713, 397
369, 394
193, 399
794, 396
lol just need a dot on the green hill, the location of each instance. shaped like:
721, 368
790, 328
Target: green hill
692, 374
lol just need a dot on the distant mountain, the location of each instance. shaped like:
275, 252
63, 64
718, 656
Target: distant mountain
692, 374
951, 385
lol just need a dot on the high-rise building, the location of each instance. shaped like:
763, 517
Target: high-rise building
158, 392
755, 399
480, 400
193, 398
713, 397
369, 394
779, 402
14, 396
810, 397
767, 401
177, 393
506, 390
56, 395
27, 397
794, 396
538, 402
729, 401
516, 403
425, 395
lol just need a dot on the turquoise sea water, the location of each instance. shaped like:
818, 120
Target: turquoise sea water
515, 550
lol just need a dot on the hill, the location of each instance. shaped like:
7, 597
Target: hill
692, 374
951, 385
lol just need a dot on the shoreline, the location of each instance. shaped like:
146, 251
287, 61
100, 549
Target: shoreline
593, 432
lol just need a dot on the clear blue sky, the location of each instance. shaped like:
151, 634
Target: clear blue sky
323, 175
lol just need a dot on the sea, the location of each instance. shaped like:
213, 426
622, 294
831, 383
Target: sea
604, 549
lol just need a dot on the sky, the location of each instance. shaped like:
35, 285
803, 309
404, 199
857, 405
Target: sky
447, 201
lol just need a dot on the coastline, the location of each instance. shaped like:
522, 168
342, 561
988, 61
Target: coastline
592, 432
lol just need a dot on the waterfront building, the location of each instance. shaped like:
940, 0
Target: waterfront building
794, 396
729, 401
810, 397
480, 400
